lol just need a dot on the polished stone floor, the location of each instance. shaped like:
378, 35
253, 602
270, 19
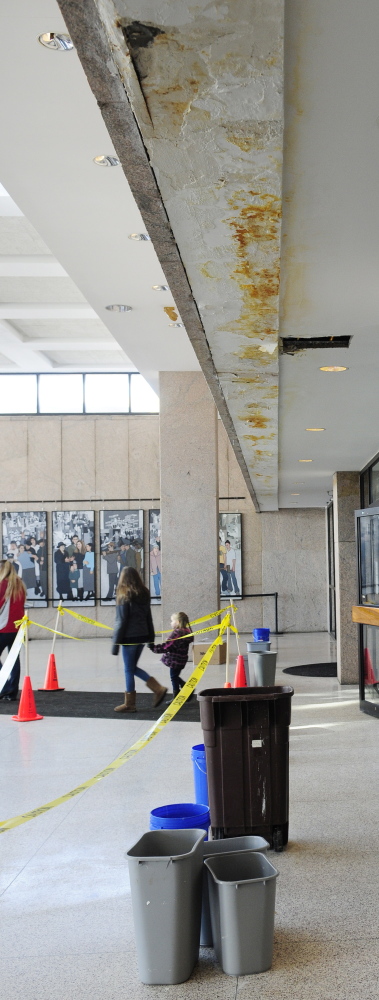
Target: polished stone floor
66, 925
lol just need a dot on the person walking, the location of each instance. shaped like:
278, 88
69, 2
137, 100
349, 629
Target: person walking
133, 628
12, 608
175, 649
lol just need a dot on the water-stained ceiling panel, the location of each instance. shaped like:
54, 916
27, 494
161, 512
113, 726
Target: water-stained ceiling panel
205, 86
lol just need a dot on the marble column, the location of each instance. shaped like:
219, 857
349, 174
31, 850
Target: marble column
189, 495
346, 499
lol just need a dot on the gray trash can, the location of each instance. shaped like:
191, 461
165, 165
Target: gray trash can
264, 669
211, 849
258, 647
165, 868
242, 900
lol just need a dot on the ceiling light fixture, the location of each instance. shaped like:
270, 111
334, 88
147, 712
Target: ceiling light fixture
56, 40
106, 161
295, 494
333, 368
176, 324
160, 288
315, 428
116, 308
138, 236
305, 459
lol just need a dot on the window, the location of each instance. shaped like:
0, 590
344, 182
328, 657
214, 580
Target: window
60, 394
143, 399
18, 394
106, 393
77, 393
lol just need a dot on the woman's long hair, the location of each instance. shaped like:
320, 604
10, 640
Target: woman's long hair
130, 586
15, 586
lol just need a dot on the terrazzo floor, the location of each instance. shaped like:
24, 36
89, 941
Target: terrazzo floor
66, 924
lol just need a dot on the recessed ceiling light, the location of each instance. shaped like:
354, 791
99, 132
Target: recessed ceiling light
56, 40
299, 484
176, 324
160, 288
116, 308
305, 459
138, 236
315, 428
106, 161
333, 368
295, 494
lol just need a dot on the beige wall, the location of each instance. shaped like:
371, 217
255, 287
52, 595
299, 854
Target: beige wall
80, 461
113, 461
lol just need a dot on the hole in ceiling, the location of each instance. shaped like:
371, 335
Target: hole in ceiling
291, 345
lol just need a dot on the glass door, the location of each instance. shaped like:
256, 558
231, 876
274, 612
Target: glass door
368, 595
331, 572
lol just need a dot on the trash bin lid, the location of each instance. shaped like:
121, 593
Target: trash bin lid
246, 694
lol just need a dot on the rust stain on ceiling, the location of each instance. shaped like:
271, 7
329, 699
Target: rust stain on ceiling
211, 78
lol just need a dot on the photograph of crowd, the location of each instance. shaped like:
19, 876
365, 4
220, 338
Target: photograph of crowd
24, 543
73, 557
155, 568
230, 555
121, 544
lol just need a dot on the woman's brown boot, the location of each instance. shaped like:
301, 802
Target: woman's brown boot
129, 703
158, 689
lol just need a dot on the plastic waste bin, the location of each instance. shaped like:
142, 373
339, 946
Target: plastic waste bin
264, 666
261, 633
212, 848
242, 900
258, 647
199, 764
165, 868
246, 733
180, 816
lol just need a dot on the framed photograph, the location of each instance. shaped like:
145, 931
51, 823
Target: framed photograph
24, 534
155, 568
121, 544
230, 555
74, 579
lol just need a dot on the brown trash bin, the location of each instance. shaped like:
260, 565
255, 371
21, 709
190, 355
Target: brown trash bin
246, 738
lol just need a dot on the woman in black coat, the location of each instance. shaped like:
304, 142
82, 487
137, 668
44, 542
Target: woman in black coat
62, 566
134, 627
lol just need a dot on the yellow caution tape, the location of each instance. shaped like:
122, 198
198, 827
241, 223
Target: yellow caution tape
171, 711
91, 621
28, 621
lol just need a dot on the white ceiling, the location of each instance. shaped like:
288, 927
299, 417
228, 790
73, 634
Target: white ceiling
69, 255
78, 219
330, 242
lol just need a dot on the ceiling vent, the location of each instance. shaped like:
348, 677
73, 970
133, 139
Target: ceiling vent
292, 345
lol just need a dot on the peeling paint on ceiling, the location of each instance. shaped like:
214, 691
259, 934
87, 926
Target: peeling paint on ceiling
205, 84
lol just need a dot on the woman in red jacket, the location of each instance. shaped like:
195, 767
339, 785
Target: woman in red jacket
12, 606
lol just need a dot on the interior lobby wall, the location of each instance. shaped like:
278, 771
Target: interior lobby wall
113, 461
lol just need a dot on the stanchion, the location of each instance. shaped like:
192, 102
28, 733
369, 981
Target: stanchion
27, 708
227, 681
51, 677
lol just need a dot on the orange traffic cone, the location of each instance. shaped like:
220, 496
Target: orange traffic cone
240, 676
51, 678
368, 668
27, 707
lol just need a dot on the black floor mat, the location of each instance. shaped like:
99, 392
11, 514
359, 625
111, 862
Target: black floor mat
313, 670
100, 705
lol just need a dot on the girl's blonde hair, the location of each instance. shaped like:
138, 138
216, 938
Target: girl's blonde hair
130, 586
15, 586
182, 619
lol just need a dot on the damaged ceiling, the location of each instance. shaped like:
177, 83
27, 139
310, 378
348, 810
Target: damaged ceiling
200, 139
